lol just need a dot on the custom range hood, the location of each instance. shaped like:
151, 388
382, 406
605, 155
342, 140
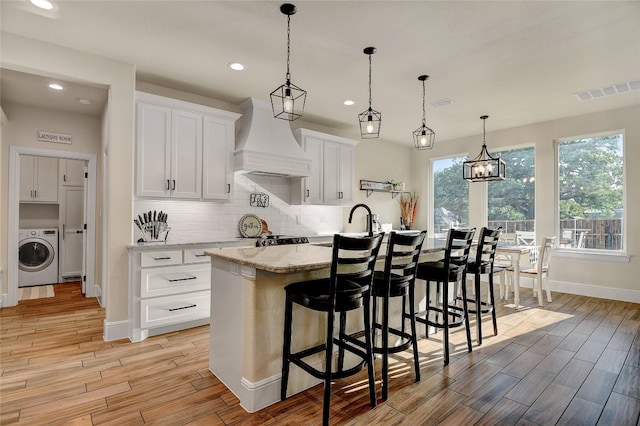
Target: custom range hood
266, 146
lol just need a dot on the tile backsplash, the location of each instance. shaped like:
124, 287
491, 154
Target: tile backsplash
200, 221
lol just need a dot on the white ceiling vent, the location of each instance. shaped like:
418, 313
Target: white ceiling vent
612, 89
441, 103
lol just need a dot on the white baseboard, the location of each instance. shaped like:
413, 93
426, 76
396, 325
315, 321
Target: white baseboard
115, 330
602, 292
98, 293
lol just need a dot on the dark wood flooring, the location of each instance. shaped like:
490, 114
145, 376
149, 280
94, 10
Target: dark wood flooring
575, 361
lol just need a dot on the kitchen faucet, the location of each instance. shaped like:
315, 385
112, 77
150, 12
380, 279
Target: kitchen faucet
369, 218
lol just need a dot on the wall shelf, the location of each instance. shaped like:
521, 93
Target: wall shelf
373, 186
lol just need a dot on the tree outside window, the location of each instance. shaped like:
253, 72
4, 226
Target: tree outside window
511, 202
591, 192
450, 196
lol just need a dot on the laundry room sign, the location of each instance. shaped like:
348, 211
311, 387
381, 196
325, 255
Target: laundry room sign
54, 137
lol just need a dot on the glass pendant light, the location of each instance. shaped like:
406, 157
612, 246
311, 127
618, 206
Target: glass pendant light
484, 167
370, 120
424, 137
288, 100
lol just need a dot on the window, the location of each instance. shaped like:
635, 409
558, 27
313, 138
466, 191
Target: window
511, 202
450, 197
591, 192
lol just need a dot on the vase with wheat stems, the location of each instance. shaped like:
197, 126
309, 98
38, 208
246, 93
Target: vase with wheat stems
408, 209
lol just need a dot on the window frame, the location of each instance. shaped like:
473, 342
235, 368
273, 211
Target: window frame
586, 253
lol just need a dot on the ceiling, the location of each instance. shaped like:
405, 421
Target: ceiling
519, 62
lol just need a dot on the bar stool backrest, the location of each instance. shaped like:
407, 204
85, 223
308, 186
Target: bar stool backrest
456, 252
354, 259
486, 251
401, 262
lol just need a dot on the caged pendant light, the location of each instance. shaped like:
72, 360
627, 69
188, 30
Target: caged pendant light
288, 100
484, 167
424, 137
370, 120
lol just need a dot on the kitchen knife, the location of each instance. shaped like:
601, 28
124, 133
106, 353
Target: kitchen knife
140, 220
154, 215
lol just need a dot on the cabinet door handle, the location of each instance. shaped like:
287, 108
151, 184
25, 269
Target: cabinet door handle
182, 279
174, 185
307, 193
162, 258
228, 188
168, 187
35, 193
183, 307
201, 255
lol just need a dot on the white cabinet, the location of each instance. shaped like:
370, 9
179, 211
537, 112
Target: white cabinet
170, 289
175, 142
71, 172
217, 155
332, 169
38, 179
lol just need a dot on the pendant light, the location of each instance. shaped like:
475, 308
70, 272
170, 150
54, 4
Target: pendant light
424, 137
370, 120
288, 100
484, 167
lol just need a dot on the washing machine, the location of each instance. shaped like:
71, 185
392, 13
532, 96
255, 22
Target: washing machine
37, 257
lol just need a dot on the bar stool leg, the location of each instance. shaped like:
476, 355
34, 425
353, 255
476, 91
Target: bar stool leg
493, 306
478, 308
328, 364
465, 310
286, 348
414, 333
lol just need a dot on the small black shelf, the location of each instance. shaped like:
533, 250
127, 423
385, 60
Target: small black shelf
372, 186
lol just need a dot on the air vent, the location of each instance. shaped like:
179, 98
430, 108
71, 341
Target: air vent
613, 89
441, 103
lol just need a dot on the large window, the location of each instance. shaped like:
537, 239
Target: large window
591, 192
511, 202
450, 196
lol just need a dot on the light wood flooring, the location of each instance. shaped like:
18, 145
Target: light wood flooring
575, 361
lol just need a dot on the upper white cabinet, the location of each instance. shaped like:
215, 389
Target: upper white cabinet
71, 172
38, 179
183, 150
332, 169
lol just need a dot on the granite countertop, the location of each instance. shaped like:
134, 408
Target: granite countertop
279, 259
289, 258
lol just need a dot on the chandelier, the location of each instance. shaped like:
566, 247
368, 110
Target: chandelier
484, 167
424, 137
288, 100
370, 120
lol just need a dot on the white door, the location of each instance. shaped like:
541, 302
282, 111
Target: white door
46, 186
27, 172
72, 235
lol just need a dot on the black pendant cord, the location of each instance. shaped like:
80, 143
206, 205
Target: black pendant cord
369, 82
424, 112
288, 76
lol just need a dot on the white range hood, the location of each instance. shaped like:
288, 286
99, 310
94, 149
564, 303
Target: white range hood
266, 145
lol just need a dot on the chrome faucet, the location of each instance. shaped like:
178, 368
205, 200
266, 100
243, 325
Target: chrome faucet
368, 217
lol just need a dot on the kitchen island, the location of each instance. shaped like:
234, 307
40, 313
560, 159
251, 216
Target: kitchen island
247, 317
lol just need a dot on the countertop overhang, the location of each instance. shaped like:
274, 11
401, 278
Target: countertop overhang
279, 259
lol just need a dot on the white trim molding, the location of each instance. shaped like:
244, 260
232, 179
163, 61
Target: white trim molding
115, 330
602, 292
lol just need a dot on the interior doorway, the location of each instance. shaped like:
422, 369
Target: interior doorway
89, 216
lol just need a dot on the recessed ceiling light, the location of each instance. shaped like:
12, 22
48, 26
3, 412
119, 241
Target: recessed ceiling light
43, 4
348, 102
236, 66
55, 86
84, 101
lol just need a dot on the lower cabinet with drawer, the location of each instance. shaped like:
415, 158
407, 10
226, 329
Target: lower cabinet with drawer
170, 289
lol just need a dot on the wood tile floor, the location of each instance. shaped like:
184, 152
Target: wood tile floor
576, 361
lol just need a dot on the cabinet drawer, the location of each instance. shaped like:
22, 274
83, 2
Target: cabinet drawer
161, 258
196, 256
174, 309
175, 279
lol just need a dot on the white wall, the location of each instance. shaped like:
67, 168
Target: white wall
27, 55
602, 277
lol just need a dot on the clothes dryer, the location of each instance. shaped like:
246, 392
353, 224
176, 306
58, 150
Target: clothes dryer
37, 257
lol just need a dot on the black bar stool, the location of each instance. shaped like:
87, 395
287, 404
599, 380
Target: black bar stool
397, 280
484, 264
347, 288
453, 268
